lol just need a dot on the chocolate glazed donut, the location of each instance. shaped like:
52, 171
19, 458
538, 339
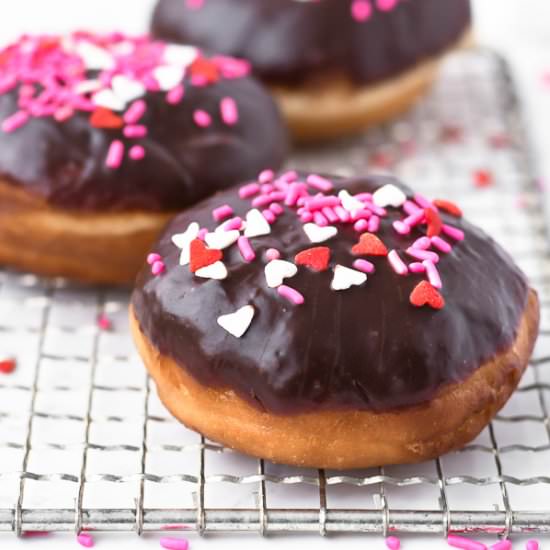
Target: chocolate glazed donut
88, 177
336, 66
361, 326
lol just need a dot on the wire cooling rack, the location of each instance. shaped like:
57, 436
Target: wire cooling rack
85, 443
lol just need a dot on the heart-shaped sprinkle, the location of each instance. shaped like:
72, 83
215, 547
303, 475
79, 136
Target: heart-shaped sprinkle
256, 224
389, 195
237, 323
424, 294
345, 278
449, 207
183, 240
318, 234
127, 89
369, 245
200, 256
351, 204
434, 222
204, 69
7, 366
221, 239
277, 270
168, 77
316, 258
105, 118
94, 57
175, 54
217, 271
107, 98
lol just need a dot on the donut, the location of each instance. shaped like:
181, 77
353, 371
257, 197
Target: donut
335, 66
103, 138
333, 322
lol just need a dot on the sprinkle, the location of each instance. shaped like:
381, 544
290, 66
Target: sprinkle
236, 324
135, 131
157, 268
201, 256
276, 208
221, 239
362, 214
401, 227
63, 113
320, 183
293, 194
411, 208
361, 225
502, 545
432, 273
175, 95
15, 121
376, 209
104, 323
33, 534
153, 257
482, 178
306, 217
386, 5
441, 244
173, 543
449, 207
135, 112
464, 543
136, 152
277, 270
262, 200
115, 154
229, 111
389, 195
344, 278
532, 545
318, 234
369, 245
414, 219
453, 232
202, 118
398, 265
247, 252
7, 366
183, 242
272, 254
86, 540
320, 219
233, 223
434, 222
222, 212
269, 216
316, 258
256, 224
266, 188
266, 176
249, 190
290, 176
374, 224
291, 294
393, 543
320, 202
364, 266
361, 10
105, 118
419, 254
343, 214
423, 201
423, 243
349, 202
417, 267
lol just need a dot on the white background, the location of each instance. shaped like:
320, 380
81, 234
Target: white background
519, 28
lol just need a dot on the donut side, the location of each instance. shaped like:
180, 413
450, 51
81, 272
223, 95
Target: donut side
342, 439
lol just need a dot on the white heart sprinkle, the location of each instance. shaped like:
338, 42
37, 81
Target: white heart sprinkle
256, 224
237, 323
389, 195
350, 203
107, 98
318, 234
221, 239
168, 77
345, 278
127, 89
182, 240
277, 270
217, 271
182, 56
94, 57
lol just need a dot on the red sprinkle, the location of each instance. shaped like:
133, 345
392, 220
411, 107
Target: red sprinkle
424, 294
369, 245
105, 118
7, 366
449, 207
316, 258
200, 256
434, 222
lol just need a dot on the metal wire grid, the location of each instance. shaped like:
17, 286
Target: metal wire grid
62, 343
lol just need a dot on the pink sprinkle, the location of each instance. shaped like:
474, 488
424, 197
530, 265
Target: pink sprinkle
320, 183
423, 243
502, 545
453, 232
362, 214
193, 5
423, 255
319, 219
414, 219
246, 250
104, 323
363, 197
266, 188
135, 131
269, 216
432, 273
135, 112
306, 217
115, 154
423, 201
136, 152
397, 263
233, 223
272, 254
532, 545
63, 113
202, 118
364, 266
319, 202
386, 5
330, 214
293, 194
249, 190
157, 268
289, 176
411, 208
393, 543
378, 210
361, 10
401, 227
361, 225
464, 543
15, 121
153, 257
175, 95
441, 244
173, 543
85, 540
262, 200
266, 176
276, 208
291, 294
374, 224
229, 111
222, 212
417, 267
202, 233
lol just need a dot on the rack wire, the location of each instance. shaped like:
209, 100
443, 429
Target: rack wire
85, 444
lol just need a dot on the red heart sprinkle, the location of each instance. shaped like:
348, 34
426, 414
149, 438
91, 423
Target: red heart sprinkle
434, 222
206, 69
200, 256
105, 118
7, 366
369, 245
316, 258
449, 207
424, 294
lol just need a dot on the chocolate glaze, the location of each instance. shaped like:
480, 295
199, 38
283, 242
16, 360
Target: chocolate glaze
287, 40
363, 348
65, 162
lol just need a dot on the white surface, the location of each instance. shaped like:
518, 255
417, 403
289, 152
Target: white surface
519, 28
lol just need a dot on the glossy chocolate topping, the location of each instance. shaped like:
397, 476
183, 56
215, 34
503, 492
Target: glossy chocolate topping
366, 347
59, 154
289, 40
